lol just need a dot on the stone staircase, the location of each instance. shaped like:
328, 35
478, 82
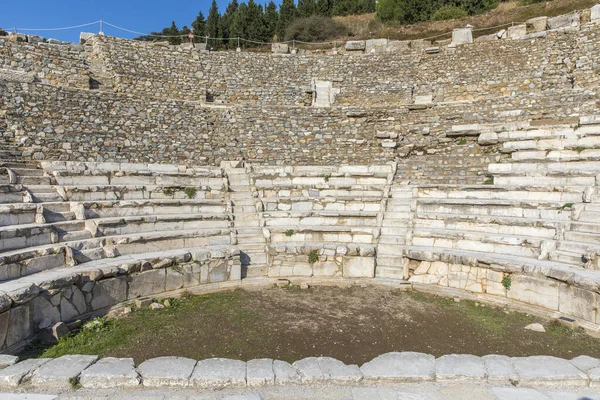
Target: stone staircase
247, 223
395, 232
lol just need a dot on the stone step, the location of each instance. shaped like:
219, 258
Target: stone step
241, 195
51, 216
586, 227
487, 192
589, 216
583, 237
74, 235
34, 180
11, 197
576, 246
246, 223
395, 218
566, 257
552, 144
253, 258
250, 201
22, 171
252, 247
21, 164
531, 210
390, 272
582, 181
253, 270
385, 260
393, 208
247, 238
496, 225
574, 168
536, 134
556, 155
46, 197
394, 240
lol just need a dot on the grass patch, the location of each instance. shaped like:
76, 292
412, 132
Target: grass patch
190, 192
289, 233
489, 181
313, 256
106, 336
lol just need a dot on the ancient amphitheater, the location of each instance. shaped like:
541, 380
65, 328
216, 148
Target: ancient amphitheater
132, 170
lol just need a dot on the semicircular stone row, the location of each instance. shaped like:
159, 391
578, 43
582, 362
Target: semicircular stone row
217, 373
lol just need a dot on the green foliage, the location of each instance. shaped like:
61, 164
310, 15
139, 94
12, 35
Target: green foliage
168, 191
449, 12
314, 29
289, 232
96, 325
351, 7
412, 11
199, 27
190, 192
579, 149
489, 181
213, 25
313, 256
287, 14
530, 2
306, 8
462, 142
507, 282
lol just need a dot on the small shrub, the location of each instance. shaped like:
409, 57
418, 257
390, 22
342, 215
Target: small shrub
579, 149
449, 12
315, 28
462, 142
327, 179
507, 282
313, 256
289, 232
95, 325
168, 191
190, 192
489, 181
566, 206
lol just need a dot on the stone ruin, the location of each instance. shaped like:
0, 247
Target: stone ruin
129, 170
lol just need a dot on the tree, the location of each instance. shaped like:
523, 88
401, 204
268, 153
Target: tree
227, 21
256, 27
172, 33
324, 7
239, 22
213, 22
271, 20
287, 14
306, 8
199, 26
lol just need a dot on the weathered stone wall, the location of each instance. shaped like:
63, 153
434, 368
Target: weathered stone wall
28, 311
59, 65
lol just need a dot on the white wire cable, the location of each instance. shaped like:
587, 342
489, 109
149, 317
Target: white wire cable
55, 29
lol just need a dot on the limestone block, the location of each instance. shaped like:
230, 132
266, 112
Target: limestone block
517, 31
462, 36
400, 367
585, 363
317, 369
19, 326
564, 21
166, 371
260, 372
358, 267
457, 367
500, 368
535, 291
85, 36
547, 370
280, 48
355, 45
6, 360
17, 373
538, 24
110, 373
595, 17
218, 373
285, 373
61, 372
147, 283
376, 46
488, 138
576, 302
109, 292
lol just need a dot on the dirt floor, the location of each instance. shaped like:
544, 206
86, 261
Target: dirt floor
351, 324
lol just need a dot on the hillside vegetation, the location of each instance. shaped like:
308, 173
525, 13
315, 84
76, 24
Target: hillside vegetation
368, 26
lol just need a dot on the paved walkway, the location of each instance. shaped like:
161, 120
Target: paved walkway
422, 391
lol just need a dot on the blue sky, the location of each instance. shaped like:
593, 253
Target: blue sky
137, 15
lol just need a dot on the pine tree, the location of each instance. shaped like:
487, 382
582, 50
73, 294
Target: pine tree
173, 32
227, 21
213, 23
239, 22
256, 27
324, 7
271, 20
287, 14
306, 8
199, 26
